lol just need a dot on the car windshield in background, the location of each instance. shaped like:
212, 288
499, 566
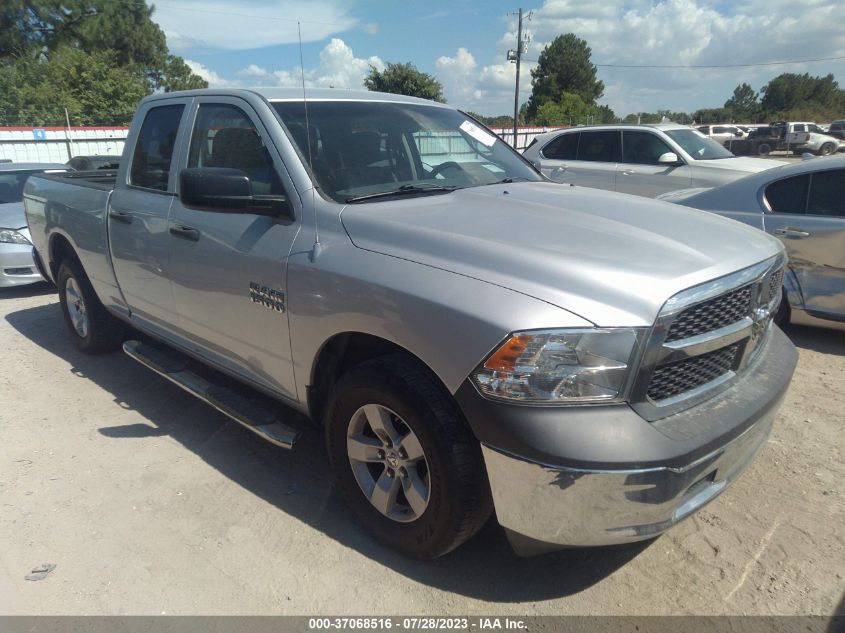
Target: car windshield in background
698, 146
372, 150
11, 185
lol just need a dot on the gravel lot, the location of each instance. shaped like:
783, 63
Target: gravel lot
149, 502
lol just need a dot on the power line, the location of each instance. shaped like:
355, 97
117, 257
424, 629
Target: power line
692, 66
782, 63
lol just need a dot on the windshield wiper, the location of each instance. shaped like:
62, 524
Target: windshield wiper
402, 191
506, 181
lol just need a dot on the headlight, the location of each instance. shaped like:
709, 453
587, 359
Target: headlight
560, 366
10, 236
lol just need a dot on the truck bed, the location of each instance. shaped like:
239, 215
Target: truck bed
73, 206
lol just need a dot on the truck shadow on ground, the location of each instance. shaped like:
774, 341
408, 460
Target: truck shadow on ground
298, 482
30, 290
818, 339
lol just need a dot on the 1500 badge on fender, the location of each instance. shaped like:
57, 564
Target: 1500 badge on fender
268, 297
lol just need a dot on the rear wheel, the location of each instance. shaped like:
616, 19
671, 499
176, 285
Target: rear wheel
763, 149
404, 459
827, 149
93, 329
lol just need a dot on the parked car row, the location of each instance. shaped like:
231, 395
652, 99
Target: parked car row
644, 160
802, 204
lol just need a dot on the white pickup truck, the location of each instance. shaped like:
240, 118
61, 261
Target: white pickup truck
808, 137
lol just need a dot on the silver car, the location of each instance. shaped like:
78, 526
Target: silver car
802, 204
645, 160
17, 264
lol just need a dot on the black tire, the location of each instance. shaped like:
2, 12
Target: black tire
827, 149
459, 500
763, 149
103, 333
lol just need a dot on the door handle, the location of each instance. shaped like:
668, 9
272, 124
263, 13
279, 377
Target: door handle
121, 216
557, 171
792, 233
185, 232
628, 172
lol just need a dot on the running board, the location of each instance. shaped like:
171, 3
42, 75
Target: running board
259, 417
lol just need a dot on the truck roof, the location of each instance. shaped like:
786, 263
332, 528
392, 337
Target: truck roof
295, 94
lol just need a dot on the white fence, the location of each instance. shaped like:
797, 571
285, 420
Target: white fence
57, 144
524, 135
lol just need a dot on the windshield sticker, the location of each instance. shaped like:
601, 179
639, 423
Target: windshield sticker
478, 134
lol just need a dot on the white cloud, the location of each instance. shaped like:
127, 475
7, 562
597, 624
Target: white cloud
338, 68
214, 80
248, 24
669, 32
254, 71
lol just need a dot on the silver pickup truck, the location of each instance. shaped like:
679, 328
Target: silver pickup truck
471, 337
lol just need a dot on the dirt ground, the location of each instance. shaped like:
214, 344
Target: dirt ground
149, 502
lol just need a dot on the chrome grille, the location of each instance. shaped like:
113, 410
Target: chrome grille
704, 337
775, 283
711, 314
675, 378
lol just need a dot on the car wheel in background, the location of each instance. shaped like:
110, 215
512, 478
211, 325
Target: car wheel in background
763, 149
827, 149
404, 459
93, 329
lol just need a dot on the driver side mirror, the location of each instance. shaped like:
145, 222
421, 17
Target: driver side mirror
227, 190
669, 158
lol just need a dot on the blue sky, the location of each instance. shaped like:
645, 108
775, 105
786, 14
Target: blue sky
463, 44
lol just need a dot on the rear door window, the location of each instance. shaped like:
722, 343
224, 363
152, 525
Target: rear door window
564, 147
154, 148
827, 193
788, 195
600, 146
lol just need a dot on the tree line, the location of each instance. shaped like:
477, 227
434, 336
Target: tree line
98, 58
95, 58
565, 90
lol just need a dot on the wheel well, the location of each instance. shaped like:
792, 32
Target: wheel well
342, 352
60, 249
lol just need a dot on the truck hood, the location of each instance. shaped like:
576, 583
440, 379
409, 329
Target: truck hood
610, 258
743, 164
12, 215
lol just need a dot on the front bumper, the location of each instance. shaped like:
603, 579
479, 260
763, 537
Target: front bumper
17, 265
585, 476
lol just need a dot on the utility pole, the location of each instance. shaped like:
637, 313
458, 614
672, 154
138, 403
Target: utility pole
515, 56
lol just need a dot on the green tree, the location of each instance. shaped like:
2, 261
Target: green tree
789, 96
404, 79
37, 29
711, 115
564, 66
743, 106
92, 86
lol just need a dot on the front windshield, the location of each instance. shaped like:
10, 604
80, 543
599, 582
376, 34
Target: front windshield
698, 146
358, 148
11, 185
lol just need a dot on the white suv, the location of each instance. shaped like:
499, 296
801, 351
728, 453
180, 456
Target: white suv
723, 133
645, 160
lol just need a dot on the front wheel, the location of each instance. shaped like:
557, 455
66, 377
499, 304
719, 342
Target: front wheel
93, 329
763, 149
827, 149
404, 459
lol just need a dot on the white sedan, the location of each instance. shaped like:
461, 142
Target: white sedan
17, 263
